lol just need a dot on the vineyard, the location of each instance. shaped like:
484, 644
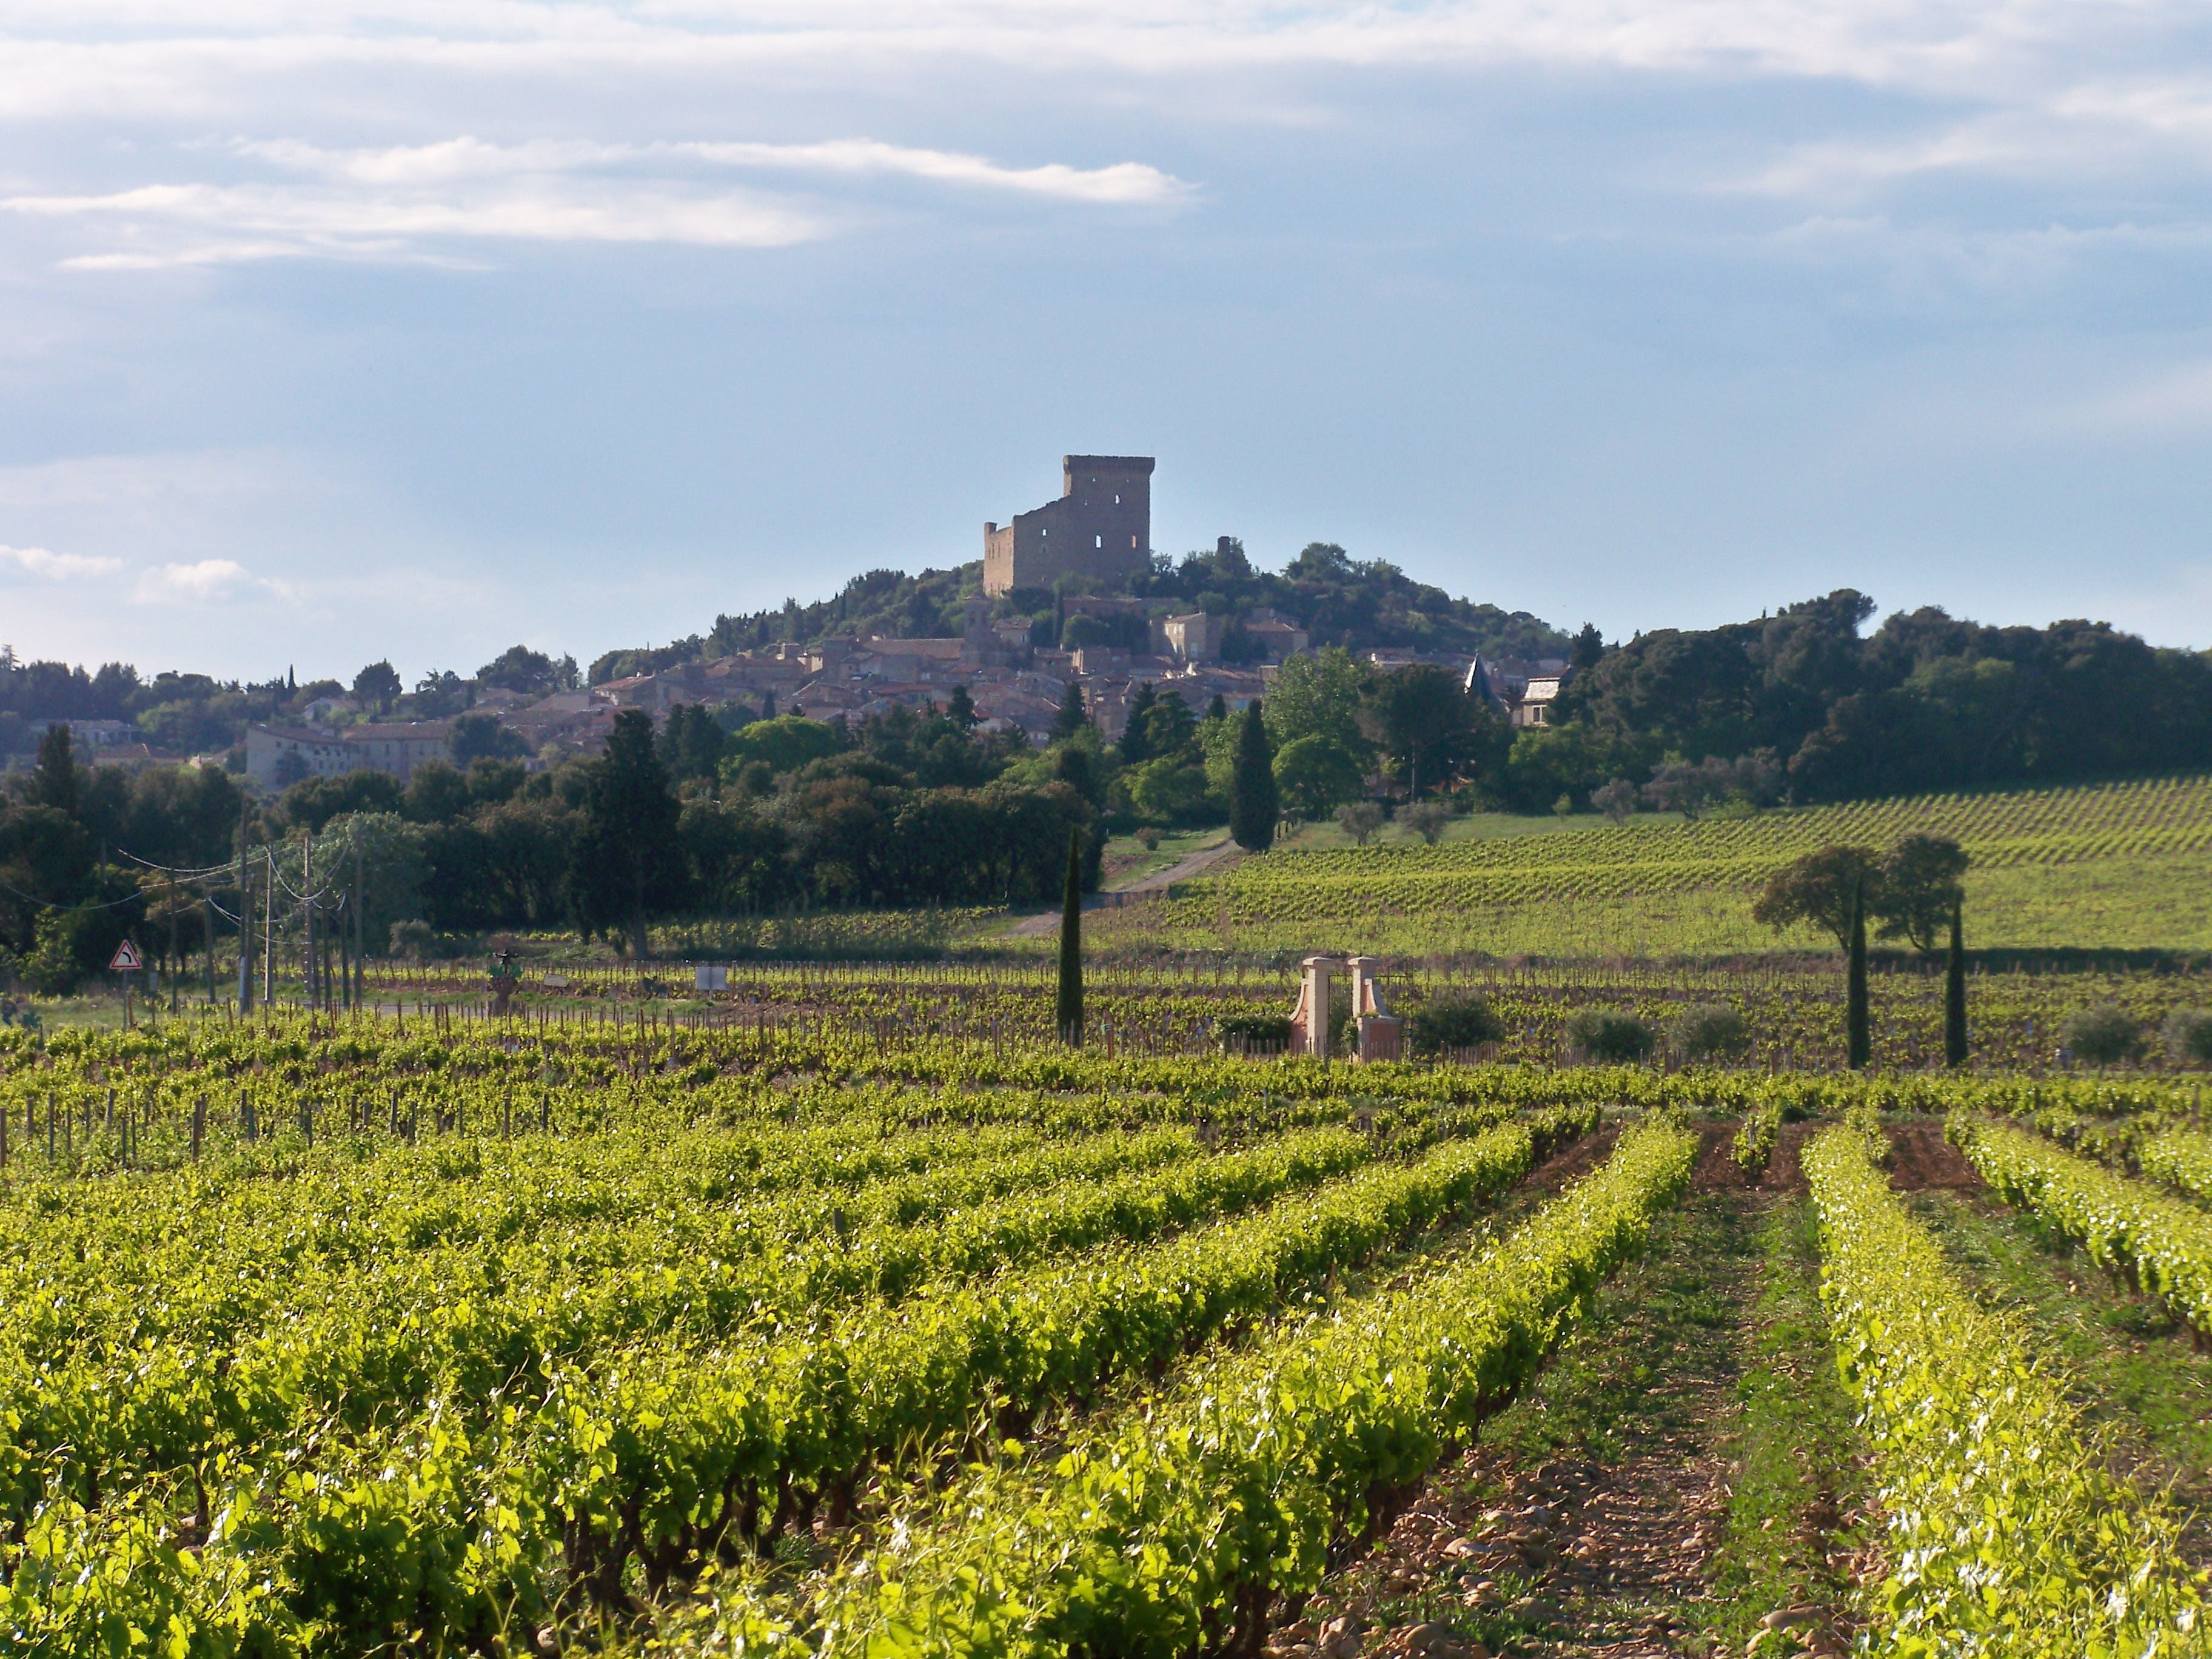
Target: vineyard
2131, 854
816, 1330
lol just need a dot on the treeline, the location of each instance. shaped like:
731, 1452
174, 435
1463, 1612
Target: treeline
1926, 702
788, 813
193, 713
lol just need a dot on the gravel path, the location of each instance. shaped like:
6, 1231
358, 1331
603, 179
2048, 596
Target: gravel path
1197, 864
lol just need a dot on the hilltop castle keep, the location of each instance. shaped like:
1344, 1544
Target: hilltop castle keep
1099, 530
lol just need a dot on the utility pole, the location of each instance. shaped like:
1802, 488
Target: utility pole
308, 909
360, 923
269, 933
245, 918
176, 955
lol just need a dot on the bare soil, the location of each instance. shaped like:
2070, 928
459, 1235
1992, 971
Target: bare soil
1921, 1159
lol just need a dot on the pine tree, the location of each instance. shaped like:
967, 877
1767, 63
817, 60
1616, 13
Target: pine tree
1071, 946
1954, 988
1254, 806
1858, 1036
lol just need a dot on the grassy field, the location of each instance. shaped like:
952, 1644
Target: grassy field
2114, 865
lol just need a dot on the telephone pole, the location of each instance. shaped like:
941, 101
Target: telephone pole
245, 917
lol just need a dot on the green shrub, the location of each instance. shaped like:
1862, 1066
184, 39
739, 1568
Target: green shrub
1607, 1034
1708, 1030
1455, 1020
1237, 1032
2189, 1037
2102, 1035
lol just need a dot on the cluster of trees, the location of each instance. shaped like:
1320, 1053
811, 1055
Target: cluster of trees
909, 809
1327, 726
1925, 702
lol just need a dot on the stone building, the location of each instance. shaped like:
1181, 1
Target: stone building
1100, 530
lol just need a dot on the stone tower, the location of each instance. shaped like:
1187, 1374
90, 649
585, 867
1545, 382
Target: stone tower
1100, 530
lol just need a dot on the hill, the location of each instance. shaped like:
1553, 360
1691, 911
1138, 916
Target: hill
2118, 864
1361, 604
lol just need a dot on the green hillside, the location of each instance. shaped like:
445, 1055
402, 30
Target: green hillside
2108, 864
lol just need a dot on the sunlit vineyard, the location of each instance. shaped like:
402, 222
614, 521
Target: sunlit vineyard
757, 1326
2113, 864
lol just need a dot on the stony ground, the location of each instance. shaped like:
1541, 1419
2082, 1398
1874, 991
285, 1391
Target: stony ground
1592, 1519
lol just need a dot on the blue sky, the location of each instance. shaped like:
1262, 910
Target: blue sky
334, 331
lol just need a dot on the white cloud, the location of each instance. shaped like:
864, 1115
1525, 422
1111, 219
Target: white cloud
468, 158
390, 202
56, 567
200, 582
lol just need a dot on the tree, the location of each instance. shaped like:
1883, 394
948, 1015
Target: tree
1317, 694
481, 736
2104, 1035
313, 802
1428, 728
1073, 716
1359, 820
1254, 806
1954, 988
1453, 1022
786, 742
378, 686
960, 709
1315, 774
1135, 729
693, 743
629, 861
1607, 1034
1923, 881
1171, 790
1427, 820
533, 673
1858, 1035
1169, 728
1709, 1030
1822, 888
2189, 1037
53, 779
1590, 649
1617, 800
1069, 1012
1082, 630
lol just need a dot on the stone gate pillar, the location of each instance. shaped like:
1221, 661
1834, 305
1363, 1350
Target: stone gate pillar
1313, 1004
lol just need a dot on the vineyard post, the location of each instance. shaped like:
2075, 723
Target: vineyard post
1857, 1035
199, 1125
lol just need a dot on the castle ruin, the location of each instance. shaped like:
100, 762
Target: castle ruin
1100, 530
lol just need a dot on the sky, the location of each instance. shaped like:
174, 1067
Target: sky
334, 331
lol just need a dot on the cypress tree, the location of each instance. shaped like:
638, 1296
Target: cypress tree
1254, 805
1954, 988
1071, 946
1073, 714
1857, 1037
1136, 734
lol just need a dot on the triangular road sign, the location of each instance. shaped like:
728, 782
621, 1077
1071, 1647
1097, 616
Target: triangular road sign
126, 959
